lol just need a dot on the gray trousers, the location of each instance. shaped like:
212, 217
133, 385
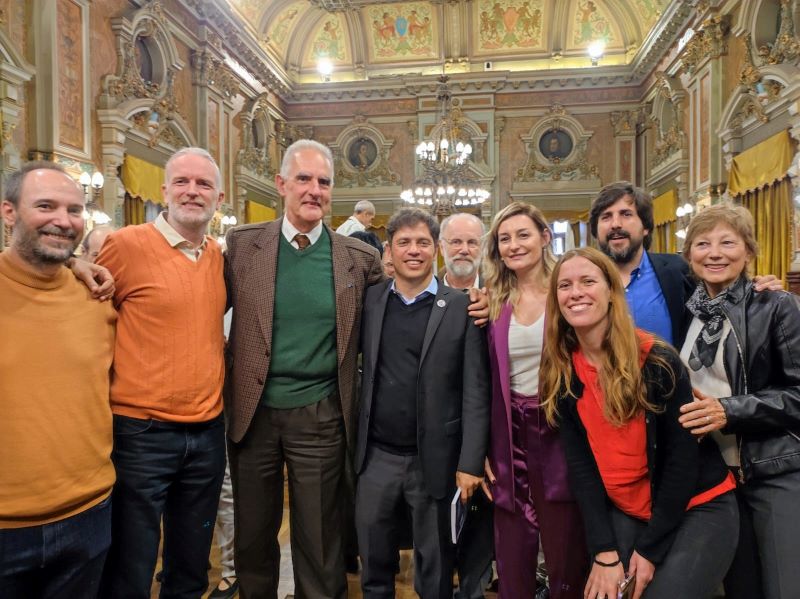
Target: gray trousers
773, 506
700, 555
311, 442
384, 488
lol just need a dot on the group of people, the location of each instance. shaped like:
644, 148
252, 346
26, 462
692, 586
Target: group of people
639, 412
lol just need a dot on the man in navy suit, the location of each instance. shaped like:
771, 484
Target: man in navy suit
424, 417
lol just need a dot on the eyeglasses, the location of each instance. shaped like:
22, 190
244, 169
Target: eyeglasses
472, 244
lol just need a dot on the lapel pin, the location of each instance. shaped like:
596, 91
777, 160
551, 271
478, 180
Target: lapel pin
441, 303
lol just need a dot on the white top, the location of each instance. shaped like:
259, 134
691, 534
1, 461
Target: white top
351, 225
525, 354
713, 382
289, 231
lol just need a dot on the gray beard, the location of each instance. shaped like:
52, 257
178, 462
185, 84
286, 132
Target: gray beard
460, 269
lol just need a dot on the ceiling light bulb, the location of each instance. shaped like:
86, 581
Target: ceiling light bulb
85, 179
596, 49
324, 67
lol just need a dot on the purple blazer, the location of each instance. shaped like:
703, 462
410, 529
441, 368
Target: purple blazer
550, 458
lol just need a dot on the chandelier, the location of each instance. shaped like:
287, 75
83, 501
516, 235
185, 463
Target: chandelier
446, 182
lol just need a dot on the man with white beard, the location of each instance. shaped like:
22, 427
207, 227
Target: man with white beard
460, 242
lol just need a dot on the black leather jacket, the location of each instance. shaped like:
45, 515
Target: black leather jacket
762, 360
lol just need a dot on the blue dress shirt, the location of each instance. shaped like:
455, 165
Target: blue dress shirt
646, 301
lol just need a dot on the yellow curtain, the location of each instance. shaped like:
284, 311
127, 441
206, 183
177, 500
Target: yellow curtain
761, 165
771, 207
142, 179
258, 213
663, 234
134, 210
758, 180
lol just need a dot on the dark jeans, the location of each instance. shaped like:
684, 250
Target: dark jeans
169, 470
700, 555
60, 559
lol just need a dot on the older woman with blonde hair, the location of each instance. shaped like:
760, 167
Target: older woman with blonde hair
743, 353
526, 470
657, 504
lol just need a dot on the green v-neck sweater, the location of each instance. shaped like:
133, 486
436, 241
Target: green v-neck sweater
302, 368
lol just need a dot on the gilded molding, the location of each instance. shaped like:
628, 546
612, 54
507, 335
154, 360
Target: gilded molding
786, 47
709, 42
624, 122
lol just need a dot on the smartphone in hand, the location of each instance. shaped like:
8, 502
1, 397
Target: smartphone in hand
626, 587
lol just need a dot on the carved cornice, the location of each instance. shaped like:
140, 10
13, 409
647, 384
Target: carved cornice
232, 34
709, 42
210, 71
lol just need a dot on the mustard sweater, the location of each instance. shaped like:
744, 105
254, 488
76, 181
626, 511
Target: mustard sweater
56, 346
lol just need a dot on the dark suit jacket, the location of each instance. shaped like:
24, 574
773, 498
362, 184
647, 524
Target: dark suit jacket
672, 273
452, 388
250, 267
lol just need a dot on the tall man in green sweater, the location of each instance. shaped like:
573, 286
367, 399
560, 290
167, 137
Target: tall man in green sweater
296, 289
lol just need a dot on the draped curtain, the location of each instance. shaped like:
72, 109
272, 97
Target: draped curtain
254, 212
758, 179
663, 235
142, 181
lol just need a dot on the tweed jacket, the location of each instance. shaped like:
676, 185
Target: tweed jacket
250, 269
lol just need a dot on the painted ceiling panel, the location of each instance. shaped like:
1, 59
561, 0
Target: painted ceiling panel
330, 40
395, 37
510, 26
402, 31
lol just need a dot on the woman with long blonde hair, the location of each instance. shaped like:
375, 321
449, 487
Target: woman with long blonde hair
657, 504
525, 469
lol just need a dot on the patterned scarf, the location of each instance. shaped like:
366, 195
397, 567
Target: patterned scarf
709, 311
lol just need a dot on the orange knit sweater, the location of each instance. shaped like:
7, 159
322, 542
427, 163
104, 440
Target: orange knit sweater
168, 362
55, 423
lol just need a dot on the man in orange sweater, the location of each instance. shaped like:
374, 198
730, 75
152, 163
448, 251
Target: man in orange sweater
166, 386
55, 353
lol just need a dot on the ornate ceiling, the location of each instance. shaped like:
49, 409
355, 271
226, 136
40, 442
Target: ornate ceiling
367, 40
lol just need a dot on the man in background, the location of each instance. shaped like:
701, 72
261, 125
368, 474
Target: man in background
91, 244
461, 247
362, 216
56, 348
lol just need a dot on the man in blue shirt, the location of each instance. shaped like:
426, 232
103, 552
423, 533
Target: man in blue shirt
656, 285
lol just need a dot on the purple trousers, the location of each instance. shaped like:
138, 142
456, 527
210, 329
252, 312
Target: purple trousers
516, 534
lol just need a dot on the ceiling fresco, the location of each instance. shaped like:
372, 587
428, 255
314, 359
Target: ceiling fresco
370, 39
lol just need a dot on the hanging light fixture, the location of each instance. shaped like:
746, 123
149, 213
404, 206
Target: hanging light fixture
446, 182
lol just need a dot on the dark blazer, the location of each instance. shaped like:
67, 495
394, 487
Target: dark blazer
452, 389
672, 273
251, 262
